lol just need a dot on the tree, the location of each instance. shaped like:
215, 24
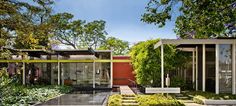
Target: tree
147, 61
78, 33
197, 19
94, 34
118, 46
23, 20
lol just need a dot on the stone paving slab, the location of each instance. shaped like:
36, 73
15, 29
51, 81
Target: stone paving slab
125, 90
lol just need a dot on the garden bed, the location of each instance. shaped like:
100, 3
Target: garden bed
147, 100
28, 95
208, 98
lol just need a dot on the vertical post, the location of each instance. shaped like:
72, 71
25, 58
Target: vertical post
23, 76
111, 68
233, 69
196, 68
94, 65
62, 74
203, 67
58, 71
217, 69
162, 66
193, 71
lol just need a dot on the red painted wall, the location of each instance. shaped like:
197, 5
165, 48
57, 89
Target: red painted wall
122, 71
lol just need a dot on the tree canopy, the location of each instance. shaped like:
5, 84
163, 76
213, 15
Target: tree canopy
196, 18
118, 46
30, 25
26, 23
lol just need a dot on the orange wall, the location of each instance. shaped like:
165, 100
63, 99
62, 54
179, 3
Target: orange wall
122, 71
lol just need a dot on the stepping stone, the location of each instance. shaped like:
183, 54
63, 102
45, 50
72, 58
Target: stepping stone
128, 98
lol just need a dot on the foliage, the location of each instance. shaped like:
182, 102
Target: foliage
147, 61
210, 95
78, 33
12, 93
19, 19
157, 100
194, 19
115, 100
118, 46
178, 82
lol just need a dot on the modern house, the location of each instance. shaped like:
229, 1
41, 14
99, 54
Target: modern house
82, 68
213, 63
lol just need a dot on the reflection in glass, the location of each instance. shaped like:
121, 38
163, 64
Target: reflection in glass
225, 68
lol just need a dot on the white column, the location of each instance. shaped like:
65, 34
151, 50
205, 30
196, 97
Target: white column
111, 69
94, 69
58, 71
217, 70
233, 69
203, 67
196, 68
162, 66
193, 71
23, 76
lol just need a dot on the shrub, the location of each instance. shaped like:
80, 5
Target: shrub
115, 100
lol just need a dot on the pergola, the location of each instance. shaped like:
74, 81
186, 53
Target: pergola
192, 45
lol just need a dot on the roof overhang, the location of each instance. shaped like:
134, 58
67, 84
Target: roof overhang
194, 41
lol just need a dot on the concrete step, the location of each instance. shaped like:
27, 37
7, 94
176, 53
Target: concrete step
128, 95
129, 101
130, 104
183, 98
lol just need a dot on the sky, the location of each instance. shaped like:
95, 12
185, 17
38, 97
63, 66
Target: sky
122, 18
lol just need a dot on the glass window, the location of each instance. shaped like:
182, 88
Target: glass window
225, 68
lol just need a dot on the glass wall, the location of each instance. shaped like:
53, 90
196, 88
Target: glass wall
225, 68
102, 75
78, 74
210, 68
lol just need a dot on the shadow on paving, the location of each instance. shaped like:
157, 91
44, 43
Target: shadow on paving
80, 98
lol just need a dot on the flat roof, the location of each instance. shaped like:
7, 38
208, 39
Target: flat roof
194, 41
64, 52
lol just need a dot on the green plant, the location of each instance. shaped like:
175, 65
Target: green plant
158, 100
115, 100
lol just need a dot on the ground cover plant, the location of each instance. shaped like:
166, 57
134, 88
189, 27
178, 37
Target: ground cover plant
147, 100
12, 93
115, 100
158, 100
199, 96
